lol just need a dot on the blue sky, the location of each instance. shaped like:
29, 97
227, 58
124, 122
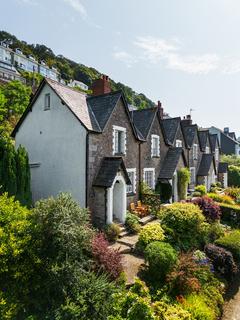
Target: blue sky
184, 52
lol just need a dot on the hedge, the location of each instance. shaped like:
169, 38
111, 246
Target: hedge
230, 214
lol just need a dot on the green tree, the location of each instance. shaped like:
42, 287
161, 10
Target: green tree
234, 176
23, 177
17, 97
8, 177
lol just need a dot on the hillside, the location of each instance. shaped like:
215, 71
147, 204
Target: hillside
71, 70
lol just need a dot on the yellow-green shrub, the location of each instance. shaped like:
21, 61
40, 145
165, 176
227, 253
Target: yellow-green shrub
150, 233
221, 198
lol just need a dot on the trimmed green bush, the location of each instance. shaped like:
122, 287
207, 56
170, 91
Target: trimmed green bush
112, 232
160, 257
184, 225
150, 233
201, 189
132, 223
231, 242
166, 311
230, 214
183, 176
234, 176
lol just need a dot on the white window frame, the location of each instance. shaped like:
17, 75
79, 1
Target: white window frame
47, 101
155, 152
207, 150
192, 175
178, 143
123, 143
131, 189
153, 177
195, 151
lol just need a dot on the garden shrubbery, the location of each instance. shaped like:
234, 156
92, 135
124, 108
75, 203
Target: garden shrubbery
201, 189
161, 257
230, 214
233, 192
209, 208
221, 198
184, 225
132, 223
231, 242
234, 176
222, 261
112, 232
148, 234
107, 259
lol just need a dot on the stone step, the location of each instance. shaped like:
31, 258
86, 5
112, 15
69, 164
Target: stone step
129, 240
123, 249
146, 219
123, 233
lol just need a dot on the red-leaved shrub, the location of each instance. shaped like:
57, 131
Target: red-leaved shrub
209, 208
107, 259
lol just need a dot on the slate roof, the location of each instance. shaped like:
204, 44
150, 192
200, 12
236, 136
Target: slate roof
205, 164
213, 141
170, 127
108, 171
170, 163
189, 134
222, 167
143, 120
232, 135
203, 137
103, 106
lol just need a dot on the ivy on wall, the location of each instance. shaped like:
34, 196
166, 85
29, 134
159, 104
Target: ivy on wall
183, 181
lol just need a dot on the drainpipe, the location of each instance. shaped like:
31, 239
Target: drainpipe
139, 169
87, 169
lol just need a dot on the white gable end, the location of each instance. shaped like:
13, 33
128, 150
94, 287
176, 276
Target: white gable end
56, 143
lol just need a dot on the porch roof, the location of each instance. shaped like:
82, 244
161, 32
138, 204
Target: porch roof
108, 171
170, 163
205, 164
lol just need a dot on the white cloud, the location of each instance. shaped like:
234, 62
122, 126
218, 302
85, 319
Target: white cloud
157, 50
125, 57
170, 55
78, 6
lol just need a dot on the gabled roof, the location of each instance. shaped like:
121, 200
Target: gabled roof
143, 120
92, 112
108, 171
75, 100
103, 106
205, 164
232, 135
203, 136
189, 133
213, 138
170, 127
170, 162
222, 167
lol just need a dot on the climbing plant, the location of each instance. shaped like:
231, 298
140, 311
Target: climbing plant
183, 181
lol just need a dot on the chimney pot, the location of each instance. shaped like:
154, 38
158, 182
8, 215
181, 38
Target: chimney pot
160, 109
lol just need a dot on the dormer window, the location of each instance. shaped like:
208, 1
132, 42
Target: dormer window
119, 140
178, 143
155, 146
195, 151
47, 101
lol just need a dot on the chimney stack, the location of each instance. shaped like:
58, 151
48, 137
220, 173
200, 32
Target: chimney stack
226, 130
101, 86
160, 109
187, 121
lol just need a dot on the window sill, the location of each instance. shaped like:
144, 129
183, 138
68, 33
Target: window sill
46, 109
155, 157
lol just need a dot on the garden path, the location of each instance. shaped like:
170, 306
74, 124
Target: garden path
231, 310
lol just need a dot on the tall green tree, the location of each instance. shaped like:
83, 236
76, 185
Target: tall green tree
17, 96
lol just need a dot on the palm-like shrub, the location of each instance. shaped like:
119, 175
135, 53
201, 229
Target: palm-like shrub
183, 224
210, 209
112, 232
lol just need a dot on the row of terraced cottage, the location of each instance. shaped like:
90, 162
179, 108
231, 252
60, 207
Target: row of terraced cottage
100, 151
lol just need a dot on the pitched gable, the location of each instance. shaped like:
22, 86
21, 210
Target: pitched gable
170, 162
170, 128
189, 133
143, 120
203, 139
205, 165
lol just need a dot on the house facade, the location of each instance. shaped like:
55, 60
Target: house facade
100, 151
